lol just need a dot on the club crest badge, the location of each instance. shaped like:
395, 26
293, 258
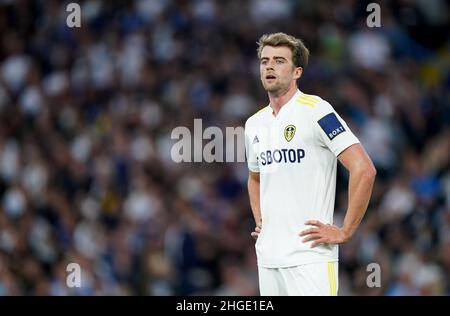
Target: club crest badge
289, 132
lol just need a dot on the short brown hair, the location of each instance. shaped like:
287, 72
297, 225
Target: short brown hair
300, 53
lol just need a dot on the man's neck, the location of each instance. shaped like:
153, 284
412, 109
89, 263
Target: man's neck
278, 101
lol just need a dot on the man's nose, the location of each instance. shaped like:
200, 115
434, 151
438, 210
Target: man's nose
269, 65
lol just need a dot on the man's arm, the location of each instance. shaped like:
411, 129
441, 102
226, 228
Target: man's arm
253, 193
362, 176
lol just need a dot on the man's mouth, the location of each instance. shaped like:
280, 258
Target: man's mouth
268, 77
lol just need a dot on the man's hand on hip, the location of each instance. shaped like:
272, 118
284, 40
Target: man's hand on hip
323, 234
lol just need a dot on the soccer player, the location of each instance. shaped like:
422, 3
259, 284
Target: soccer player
292, 147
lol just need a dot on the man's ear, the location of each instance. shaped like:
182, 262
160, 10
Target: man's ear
298, 71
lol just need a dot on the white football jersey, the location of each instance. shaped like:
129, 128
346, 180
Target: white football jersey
295, 154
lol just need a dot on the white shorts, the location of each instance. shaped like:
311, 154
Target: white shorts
318, 279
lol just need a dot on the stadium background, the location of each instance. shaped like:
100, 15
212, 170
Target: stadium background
85, 122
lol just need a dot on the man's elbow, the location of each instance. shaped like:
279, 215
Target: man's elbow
364, 170
370, 172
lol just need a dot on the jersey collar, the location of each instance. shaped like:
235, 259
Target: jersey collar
290, 102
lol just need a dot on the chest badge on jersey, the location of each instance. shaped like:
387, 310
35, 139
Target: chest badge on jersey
289, 132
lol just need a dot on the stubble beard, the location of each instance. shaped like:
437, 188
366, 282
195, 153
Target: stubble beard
276, 89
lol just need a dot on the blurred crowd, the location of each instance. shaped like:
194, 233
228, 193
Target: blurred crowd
86, 116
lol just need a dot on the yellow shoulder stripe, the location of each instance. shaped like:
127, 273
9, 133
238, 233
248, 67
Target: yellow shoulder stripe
310, 97
261, 110
309, 100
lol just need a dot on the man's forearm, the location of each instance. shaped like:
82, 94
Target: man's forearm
359, 192
253, 192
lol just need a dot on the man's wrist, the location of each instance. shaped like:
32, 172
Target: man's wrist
346, 232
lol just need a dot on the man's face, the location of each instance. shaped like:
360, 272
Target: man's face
277, 70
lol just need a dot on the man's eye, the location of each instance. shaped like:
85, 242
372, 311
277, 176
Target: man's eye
279, 61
